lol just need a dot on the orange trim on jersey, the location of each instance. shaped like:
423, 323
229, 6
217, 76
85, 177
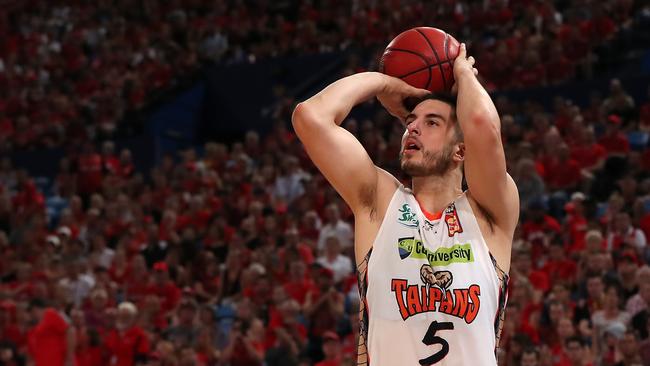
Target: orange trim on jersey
430, 216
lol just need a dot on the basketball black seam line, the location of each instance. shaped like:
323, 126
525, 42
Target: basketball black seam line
422, 69
418, 55
442, 72
446, 47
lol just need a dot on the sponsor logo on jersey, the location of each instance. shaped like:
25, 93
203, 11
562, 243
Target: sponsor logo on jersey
428, 225
453, 223
407, 217
435, 296
414, 248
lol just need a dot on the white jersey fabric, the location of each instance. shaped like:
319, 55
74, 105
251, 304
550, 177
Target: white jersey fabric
431, 293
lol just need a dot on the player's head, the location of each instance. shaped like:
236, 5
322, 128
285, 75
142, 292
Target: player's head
432, 143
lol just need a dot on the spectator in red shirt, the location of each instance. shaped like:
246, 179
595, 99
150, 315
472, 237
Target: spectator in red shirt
164, 287
90, 171
52, 341
331, 350
127, 344
245, 346
589, 154
615, 141
576, 222
110, 162
562, 172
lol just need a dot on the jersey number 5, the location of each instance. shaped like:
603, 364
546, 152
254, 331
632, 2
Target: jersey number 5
430, 339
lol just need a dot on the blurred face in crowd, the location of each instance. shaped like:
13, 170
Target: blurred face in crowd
574, 352
595, 287
522, 262
331, 348
125, 318
332, 246
629, 345
565, 328
332, 213
431, 140
529, 359
622, 222
297, 270
556, 312
611, 298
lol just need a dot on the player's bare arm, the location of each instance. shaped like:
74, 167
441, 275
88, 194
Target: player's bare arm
485, 165
339, 155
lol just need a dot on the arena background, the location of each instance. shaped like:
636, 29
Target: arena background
157, 209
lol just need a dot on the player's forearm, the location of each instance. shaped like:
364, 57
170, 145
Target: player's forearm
335, 101
475, 110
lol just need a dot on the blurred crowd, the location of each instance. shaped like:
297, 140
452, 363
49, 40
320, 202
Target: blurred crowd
72, 71
241, 254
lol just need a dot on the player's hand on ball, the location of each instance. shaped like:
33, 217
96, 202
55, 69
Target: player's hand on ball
463, 65
393, 94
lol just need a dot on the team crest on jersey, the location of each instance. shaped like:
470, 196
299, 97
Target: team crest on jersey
453, 223
436, 296
408, 217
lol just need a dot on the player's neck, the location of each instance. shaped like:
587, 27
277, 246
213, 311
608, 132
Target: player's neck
434, 193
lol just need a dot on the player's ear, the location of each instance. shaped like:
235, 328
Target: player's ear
459, 152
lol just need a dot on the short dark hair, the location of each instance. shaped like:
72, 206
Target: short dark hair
575, 339
531, 350
412, 102
37, 303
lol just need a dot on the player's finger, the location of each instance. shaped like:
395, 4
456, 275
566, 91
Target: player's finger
475, 71
462, 52
471, 60
417, 92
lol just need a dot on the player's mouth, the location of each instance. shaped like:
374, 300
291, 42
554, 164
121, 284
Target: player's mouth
411, 146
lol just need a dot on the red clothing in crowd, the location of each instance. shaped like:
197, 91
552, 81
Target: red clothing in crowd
615, 144
124, 348
47, 342
90, 173
168, 292
577, 226
588, 155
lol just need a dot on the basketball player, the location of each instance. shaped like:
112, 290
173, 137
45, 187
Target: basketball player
432, 259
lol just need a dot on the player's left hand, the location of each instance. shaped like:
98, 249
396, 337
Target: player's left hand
463, 65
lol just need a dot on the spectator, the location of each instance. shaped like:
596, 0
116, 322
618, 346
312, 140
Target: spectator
184, 333
614, 141
334, 260
331, 350
127, 344
335, 226
530, 357
52, 340
245, 346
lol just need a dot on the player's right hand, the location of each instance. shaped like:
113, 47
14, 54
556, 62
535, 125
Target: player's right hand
393, 94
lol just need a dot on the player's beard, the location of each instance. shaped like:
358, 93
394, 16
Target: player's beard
431, 163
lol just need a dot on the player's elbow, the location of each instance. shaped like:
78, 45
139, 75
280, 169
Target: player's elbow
300, 115
483, 127
304, 118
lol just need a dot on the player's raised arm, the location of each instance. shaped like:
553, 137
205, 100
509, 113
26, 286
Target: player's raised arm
485, 164
334, 150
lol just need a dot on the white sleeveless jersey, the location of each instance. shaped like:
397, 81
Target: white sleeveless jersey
430, 294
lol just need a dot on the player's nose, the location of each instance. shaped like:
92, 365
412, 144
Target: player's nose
413, 128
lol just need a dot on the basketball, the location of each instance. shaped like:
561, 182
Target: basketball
423, 57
